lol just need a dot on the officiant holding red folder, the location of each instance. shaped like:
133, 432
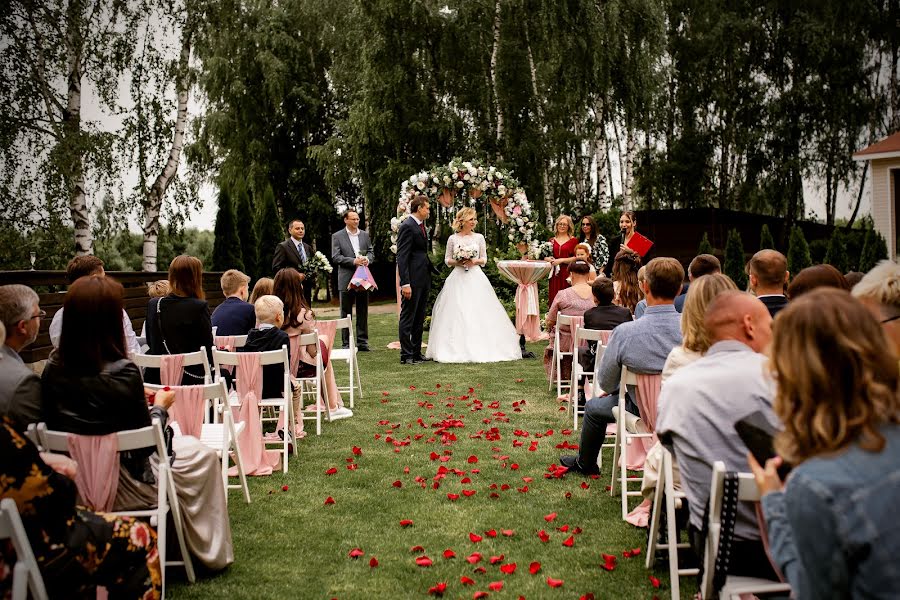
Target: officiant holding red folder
631, 239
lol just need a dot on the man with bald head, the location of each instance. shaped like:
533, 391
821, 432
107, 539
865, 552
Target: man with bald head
768, 276
701, 402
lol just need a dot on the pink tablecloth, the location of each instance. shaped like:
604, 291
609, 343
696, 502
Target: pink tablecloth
528, 306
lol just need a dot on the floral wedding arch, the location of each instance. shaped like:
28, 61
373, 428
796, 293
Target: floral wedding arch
463, 183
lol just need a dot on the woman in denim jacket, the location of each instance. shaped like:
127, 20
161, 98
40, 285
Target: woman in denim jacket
833, 526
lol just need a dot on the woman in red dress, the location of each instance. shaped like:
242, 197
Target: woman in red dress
564, 243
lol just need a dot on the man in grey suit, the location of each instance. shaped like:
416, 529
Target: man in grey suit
20, 387
350, 248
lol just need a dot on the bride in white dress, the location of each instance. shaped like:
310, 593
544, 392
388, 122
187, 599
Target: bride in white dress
468, 323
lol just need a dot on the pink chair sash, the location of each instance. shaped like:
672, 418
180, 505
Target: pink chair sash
225, 342
172, 368
648, 387
187, 410
604, 336
295, 352
327, 330
97, 478
640, 516
257, 460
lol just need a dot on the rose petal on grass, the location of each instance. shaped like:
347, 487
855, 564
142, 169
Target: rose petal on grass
496, 559
397, 484
356, 553
466, 580
479, 594
508, 568
491, 533
472, 459
569, 542
406, 522
357, 451
534, 567
608, 558
452, 496
437, 589
373, 562
508, 532
543, 536
475, 538
654, 581
416, 549
329, 500
448, 553
474, 558
331, 471
469, 493
563, 528
495, 586
423, 561
554, 583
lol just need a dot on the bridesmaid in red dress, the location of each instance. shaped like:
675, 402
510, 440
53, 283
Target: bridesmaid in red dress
564, 243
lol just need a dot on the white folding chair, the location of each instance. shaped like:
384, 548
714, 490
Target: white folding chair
585, 335
313, 387
628, 428
559, 353
239, 340
154, 361
348, 355
26, 577
666, 499
222, 437
734, 585
166, 492
271, 409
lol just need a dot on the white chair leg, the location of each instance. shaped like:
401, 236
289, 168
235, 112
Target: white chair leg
672, 542
351, 364
623, 469
175, 509
615, 460
653, 534
358, 379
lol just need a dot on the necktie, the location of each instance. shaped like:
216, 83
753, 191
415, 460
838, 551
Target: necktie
301, 251
422, 227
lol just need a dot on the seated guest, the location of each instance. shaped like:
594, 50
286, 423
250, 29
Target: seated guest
879, 291
833, 524
641, 306
605, 316
234, 316
65, 537
853, 277
155, 289
702, 264
642, 346
811, 278
768, 277
699, 405
91, 388
267, 336
89, 265
20, 387
179, 323
573, 302
262, 287
299, 319
625, 279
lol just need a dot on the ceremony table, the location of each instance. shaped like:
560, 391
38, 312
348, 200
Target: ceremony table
526, 273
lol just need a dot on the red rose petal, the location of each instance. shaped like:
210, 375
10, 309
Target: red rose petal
508, 532
423, 561
543, 535
570, 541
416, 549
469, 493
356, 553
534, 567
438, 589
284, 488
466, 580
654, 581
356, 450
554, 583
491, 533
329, 500
480, 570
479, 594
472, 459
495, 559
588, 596
373, 562
406, 522
508, 568
495, 586
452, 496
397, 484
550, 517
608, 558
331, 471
608, 566
475, 538
564, 528
474, 558
585, 485
448, 553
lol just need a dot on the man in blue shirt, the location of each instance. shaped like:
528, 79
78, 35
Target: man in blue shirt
642, 346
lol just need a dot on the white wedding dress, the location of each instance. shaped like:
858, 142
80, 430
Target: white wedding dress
468, 323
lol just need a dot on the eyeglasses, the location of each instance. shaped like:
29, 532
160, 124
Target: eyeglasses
40, 315
585, 224
889, 319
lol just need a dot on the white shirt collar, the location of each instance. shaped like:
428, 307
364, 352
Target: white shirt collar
350, 233
416, 219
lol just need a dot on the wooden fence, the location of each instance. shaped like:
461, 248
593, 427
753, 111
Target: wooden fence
51, 286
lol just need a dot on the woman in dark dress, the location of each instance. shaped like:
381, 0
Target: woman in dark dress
179, 323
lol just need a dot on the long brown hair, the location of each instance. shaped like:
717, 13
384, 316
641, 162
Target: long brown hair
289, 287
625, 270
92, 333
838, 380
186, 277
591, 239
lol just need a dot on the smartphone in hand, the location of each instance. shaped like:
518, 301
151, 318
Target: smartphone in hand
758, 435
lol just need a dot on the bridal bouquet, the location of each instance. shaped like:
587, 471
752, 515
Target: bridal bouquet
541, 250
461, 253
317, 263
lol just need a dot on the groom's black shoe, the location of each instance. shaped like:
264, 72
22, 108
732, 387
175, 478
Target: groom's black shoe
575, 466
422, 359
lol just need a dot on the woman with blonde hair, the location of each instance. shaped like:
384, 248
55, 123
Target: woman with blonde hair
695, 338
833, 525
468, 322
564, 242
625, 279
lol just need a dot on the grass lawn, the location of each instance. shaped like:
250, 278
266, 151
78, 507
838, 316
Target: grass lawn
290, 544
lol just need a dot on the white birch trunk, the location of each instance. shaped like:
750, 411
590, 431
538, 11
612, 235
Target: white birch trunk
81, 219
628, 182
155, 195
498, 112
600, 151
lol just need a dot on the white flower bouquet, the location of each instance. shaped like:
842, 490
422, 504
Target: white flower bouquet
463, 253
541, 250
317, 263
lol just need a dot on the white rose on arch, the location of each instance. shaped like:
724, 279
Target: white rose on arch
460, 184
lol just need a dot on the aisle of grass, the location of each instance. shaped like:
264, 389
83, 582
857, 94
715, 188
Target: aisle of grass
290, 544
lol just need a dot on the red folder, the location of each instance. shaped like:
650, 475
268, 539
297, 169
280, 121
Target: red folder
639, 244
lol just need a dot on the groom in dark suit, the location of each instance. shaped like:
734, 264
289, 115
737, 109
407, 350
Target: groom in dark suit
293, 252
415, 269
350, 248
